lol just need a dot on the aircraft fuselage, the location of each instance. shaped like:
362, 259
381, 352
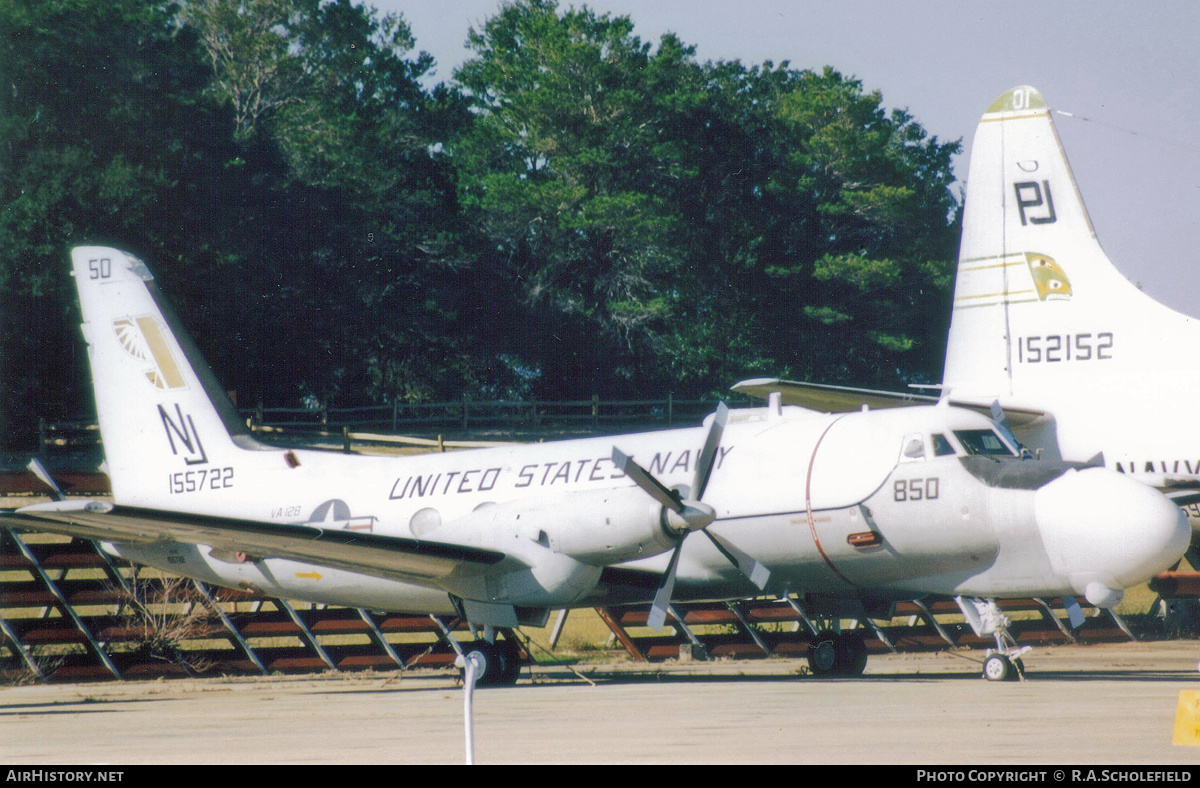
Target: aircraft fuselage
878, 505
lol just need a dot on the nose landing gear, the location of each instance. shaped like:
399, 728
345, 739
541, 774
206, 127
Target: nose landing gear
1002, 663
999, 666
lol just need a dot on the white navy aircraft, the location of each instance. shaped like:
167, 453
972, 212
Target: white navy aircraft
1082, 364
865, 508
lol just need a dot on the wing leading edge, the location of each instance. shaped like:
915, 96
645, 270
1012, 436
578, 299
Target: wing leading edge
828, 399
390, 557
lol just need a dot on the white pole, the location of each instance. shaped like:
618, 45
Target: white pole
472, 664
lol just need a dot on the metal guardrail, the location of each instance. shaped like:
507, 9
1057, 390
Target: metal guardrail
70, 612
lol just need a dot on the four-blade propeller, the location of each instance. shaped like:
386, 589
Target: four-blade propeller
683, 513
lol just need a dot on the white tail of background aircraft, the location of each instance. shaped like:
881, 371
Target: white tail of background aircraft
1047, 325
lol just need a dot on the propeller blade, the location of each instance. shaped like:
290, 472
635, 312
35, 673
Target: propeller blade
750, 567
662, 600
704, 463
37, 469
1001, 421
690, 516
668, 498
1074, 612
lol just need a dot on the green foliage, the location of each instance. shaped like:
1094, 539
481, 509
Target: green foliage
564, 168
90, 93
579, 212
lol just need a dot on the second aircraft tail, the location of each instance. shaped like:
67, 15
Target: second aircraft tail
1040, 313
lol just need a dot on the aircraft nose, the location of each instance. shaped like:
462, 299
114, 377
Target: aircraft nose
1105, 532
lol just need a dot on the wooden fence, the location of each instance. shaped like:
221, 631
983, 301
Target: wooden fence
467, 415
462, 417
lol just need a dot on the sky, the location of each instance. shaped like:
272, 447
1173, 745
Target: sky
1129, 74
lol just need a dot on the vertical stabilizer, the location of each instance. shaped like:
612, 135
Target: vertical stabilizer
163, 418
1041, 317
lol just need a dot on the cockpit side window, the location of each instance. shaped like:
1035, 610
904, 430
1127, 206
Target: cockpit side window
984, 442
914, 449
941, 446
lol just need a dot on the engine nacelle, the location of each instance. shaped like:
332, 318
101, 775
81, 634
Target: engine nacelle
558, 546
596, 527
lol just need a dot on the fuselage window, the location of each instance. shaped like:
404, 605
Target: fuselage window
941, 446
983, 442
424, 521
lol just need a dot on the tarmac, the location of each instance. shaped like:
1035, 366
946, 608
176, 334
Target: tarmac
1112, 704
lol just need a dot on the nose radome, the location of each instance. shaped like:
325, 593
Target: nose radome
1105, 532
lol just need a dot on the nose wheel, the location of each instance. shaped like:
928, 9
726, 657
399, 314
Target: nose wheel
1003, 663
1000, 667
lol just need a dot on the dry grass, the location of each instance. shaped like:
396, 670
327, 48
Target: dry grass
167, 616
585, 637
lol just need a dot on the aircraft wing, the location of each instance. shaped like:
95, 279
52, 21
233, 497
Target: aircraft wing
842, 399
1182, 497
829, 399
391, 557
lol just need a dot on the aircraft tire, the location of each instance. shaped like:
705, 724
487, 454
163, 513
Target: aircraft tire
486, 659
501, 663
851, 654
491, 666
998, 667
510, 657
823, 654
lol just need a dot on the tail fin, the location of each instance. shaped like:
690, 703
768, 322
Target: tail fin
1038, 308
161, 410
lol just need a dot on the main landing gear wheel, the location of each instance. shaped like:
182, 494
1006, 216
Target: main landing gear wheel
833, 654
501, 662
998, 667
822, 654
852, 653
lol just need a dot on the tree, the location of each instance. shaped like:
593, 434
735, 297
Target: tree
350, 194
321, 210
91, 147
580, 212
823, 225
564, 168
690, 224
887, 219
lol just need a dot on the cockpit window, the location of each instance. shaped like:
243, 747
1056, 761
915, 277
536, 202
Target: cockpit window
984, 442
941, 446
914, 448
